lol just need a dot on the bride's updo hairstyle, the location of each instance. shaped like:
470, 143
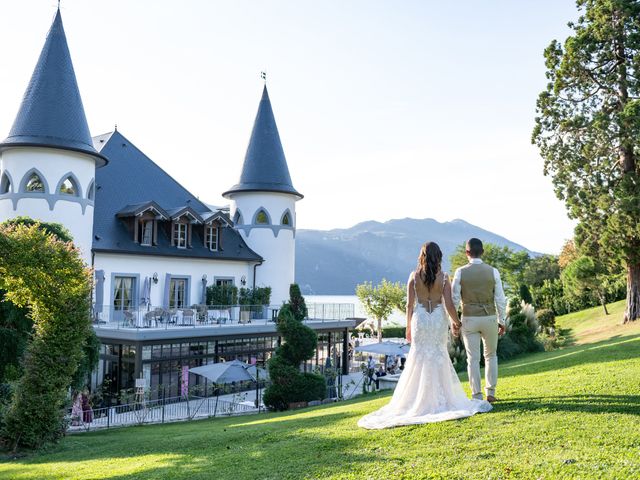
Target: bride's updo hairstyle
429, 262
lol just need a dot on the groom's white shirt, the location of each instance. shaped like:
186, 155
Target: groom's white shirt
498, 293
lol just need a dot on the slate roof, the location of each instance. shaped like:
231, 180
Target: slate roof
51, 113
265, 166
139, 208
132, 181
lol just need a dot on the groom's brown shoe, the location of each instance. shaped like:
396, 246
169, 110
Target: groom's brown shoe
491, 399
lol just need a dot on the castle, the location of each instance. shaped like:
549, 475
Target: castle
153, 246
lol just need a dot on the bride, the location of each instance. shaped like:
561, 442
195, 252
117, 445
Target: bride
428, 390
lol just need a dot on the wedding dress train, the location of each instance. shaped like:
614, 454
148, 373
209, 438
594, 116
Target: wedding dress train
428, 390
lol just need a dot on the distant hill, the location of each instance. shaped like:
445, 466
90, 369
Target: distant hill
333, 262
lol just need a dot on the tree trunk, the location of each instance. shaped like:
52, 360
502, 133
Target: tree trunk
379, 330
603, 303
632, 311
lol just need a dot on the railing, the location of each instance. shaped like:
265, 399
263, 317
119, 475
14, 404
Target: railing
155, 317
330, 311
176, 409
158, 411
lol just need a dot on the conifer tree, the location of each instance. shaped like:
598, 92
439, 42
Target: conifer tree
588, 131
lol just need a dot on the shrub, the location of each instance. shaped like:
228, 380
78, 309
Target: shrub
254, 296
394, 332
288, 384
508, 348
546, 318
552, 342
525, 294
222, 295
514, 305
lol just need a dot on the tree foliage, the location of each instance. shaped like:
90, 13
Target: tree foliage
510, 264
288, 383
16, 326
48, 277
585, 275
588, 131
568, 253
381, 300
55, 229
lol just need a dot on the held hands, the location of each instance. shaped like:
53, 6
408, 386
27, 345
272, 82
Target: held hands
455, 329
408, 336
501, 329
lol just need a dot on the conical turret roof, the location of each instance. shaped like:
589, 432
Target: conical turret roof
265, 166
51, 113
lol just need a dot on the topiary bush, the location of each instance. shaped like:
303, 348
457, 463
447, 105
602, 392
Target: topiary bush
297, 303
288, 383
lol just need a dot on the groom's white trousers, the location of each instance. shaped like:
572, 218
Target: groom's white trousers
474, 329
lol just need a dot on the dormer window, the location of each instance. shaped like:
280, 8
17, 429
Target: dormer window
211, 237
147, 233
68, 187
34, 184
180, 234
261, 217
5, 184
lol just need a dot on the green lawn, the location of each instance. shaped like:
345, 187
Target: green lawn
592, 325
572, 413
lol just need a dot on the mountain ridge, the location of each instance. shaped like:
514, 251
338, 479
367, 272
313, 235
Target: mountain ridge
333, 262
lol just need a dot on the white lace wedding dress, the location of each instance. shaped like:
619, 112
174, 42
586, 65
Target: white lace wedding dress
428, 390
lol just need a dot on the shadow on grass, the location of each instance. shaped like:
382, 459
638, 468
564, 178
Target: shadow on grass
627, 404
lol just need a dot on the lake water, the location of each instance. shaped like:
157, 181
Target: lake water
397, 318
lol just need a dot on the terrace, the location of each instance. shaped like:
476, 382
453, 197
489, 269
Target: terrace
153, 322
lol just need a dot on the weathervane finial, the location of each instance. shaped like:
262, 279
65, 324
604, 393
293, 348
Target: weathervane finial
263, 76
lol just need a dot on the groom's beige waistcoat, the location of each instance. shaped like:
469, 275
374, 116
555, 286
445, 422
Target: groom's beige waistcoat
477, 285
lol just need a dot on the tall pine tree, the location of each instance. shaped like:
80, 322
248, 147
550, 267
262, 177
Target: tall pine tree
588, 132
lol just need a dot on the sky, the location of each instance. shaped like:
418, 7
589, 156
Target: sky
386, 109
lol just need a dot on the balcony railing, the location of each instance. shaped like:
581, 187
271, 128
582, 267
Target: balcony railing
199, 316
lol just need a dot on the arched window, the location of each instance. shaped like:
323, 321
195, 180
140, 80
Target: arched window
237, 218
68, 187
287, 219
5, 184
34, 184
261, 217
91, 193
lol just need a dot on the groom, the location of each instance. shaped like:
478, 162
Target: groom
479, 287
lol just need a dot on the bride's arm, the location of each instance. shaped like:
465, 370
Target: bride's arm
448, 303
410, 301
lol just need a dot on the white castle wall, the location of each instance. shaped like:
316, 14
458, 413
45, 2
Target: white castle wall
141, 266
52, 165
274, 243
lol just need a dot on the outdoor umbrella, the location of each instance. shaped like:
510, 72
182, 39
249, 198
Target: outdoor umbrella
385, 348
145, 297
225, 372
258, 373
